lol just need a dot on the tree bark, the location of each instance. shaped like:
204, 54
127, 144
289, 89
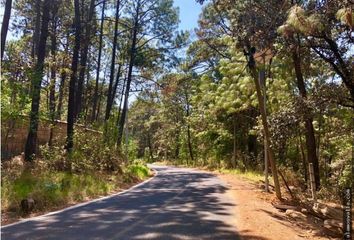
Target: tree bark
5, 25
31, 143
110, 94
35, 39
73, 79
310, 135
95, 96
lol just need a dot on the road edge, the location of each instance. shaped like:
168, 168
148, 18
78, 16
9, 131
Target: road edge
81, 204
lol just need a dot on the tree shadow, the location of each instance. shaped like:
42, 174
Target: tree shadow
245, 234
305, 224
173, 205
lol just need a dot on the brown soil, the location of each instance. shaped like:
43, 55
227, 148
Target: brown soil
258, 219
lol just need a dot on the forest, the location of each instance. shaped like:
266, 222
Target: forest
258, 86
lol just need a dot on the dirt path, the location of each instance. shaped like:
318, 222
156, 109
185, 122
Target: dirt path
258, 219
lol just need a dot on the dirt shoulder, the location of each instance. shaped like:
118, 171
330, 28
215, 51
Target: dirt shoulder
258, 219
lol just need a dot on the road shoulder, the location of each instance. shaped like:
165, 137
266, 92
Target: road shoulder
258, 219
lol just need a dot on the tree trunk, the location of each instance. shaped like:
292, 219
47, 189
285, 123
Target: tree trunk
115, 87
254, 73
177, 145
150, 148
95, 96
61, 95
129, 77
101, 94
121, 99
5, 25
310, 135
343, 69
233, 160
37, 27
190, 142
53, 73
111, 76
189, 138
31, 143
63, 76
73, 78
83, 59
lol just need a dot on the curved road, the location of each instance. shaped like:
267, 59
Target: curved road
178, 203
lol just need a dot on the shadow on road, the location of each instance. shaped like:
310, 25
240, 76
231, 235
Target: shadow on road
174, 205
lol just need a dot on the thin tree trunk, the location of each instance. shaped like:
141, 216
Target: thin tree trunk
129, 77
61, 95
254, 73
177, 144
189, 138
83, 59
310, 135
121, 99
95, 96
116, 83
73, 78
233, 161
344, 70
190, 142
111, 76
85, 96
5, 25
101, 94
150, 148
304, 160
31, 143
53, 73
63, 77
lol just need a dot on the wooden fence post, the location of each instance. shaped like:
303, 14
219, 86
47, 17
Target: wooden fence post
312, 181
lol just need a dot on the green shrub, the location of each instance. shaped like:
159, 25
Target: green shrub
50, 189
90, 153
136, 171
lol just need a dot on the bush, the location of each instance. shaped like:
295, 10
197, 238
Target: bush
50, 189
136, 171
90, 153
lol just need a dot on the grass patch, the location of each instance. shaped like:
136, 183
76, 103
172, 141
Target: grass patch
253, 176
137, 171
250, 175
53, 189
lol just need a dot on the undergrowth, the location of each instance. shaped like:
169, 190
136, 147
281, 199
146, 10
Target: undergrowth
56, 179
253, 176
50, 189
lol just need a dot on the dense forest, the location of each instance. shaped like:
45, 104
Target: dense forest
256, 80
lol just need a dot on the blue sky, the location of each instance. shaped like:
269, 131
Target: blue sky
189, 11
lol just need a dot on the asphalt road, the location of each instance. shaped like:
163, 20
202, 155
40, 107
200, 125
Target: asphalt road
176, 204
